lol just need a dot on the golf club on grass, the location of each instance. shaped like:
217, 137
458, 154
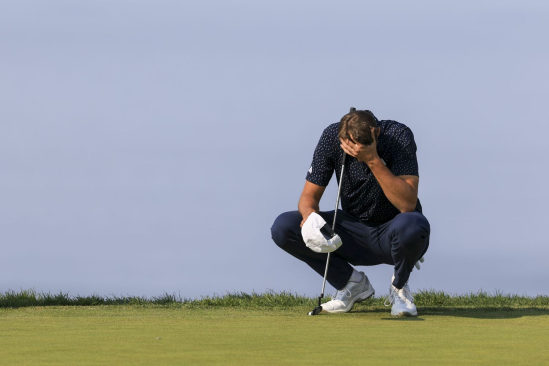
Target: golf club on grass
318, 309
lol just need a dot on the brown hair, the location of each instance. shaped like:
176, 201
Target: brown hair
358, 124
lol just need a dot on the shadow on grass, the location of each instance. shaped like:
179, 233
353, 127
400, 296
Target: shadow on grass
487, 313
405, 319
477, 313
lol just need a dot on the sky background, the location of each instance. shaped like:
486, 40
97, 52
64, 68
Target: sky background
147, 146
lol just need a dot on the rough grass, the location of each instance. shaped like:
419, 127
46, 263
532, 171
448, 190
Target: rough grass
425, 299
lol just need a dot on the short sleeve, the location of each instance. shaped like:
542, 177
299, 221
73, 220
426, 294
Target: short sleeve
322, 167
404, 155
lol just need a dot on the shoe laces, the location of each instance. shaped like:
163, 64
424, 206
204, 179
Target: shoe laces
402, 296
341, 294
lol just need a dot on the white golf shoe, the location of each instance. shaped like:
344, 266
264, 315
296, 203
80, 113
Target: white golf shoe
344, 299
402, 301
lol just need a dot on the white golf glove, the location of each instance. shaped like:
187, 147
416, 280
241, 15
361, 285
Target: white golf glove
417, 263
314, 239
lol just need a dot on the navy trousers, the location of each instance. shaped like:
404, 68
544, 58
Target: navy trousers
401, 242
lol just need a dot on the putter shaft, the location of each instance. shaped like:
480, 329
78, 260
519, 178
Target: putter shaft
318, 309
333, 226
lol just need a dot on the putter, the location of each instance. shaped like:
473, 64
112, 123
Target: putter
318, 309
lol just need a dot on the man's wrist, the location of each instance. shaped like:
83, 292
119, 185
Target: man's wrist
374, 162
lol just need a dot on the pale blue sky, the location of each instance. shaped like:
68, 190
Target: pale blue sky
146, 147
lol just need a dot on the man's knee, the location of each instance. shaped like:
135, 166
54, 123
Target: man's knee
411, 226
284, 227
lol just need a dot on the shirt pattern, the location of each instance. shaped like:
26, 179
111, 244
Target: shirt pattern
361, 194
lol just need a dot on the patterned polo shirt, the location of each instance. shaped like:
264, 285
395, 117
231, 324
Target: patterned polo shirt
361, 194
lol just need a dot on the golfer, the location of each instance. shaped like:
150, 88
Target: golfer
381, 220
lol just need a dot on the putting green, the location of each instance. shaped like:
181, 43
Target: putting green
173, 335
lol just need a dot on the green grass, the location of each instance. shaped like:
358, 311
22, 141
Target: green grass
269, 329
153, 335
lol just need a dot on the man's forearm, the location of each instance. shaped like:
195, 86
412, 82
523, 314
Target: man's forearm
309, 199
307, 204
399, 192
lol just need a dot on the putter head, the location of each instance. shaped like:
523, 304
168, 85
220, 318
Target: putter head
316, 311
327, 231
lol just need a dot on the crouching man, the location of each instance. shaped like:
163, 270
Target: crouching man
381, 220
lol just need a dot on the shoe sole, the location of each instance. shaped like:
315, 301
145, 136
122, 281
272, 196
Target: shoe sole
363, 296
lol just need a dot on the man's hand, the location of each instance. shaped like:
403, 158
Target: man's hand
363, 153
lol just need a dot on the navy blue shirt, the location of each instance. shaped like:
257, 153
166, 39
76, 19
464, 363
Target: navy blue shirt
361, 194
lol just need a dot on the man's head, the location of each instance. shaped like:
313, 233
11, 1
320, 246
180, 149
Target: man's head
357, 126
